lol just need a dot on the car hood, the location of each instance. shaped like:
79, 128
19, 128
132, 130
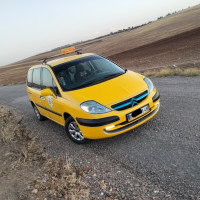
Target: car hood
110, 91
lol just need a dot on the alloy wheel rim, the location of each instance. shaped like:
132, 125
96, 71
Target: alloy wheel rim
75, 131
37, 112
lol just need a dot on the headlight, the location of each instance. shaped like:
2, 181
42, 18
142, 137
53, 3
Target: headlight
149, 84
93, 107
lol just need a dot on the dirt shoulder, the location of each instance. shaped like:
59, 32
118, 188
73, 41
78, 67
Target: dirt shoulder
27, 172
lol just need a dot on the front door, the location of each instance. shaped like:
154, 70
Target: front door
51, 103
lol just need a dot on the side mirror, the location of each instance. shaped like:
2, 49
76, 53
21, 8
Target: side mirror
47, 92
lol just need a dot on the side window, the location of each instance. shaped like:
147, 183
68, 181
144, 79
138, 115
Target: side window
29, 78
36, 78
48, 81
55, 89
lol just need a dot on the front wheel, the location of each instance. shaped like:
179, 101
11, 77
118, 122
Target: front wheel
37, 113
73, 131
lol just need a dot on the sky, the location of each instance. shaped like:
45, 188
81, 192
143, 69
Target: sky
29, 27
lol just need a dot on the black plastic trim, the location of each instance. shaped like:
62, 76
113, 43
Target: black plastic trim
49, 110
156, 97
97, 122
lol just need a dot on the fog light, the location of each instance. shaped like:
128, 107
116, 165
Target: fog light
109, 127
158, 104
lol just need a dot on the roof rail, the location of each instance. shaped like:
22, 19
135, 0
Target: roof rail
63, 52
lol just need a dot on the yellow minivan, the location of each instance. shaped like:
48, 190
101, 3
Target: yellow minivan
91, 96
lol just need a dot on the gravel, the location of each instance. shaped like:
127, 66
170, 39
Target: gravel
158, 160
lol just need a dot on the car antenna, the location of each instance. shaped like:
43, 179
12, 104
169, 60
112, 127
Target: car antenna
78, 51
44, 61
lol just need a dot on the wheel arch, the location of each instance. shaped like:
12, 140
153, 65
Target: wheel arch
32, 103
66, 115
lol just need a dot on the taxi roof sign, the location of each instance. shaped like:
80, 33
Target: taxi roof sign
68, 50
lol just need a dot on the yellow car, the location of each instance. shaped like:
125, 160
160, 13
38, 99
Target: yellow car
91, 96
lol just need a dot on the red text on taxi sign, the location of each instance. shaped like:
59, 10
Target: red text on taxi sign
68, 50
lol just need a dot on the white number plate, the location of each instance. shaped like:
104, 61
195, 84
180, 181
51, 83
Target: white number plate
145, 108
138, 112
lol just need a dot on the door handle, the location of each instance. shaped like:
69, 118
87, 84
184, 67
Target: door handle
41, 97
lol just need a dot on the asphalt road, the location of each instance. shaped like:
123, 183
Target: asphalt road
159, 159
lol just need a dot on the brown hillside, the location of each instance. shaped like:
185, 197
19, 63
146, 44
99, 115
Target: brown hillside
173, 40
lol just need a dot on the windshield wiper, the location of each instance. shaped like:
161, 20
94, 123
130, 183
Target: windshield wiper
112, 76
104, 78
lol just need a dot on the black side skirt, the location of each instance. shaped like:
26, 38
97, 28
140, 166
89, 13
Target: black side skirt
49, 110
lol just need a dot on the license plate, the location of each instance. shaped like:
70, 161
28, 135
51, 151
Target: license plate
138, 112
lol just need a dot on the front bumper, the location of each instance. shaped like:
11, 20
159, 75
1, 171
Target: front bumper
116, 123
134, 123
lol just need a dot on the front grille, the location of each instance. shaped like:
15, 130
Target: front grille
130, 102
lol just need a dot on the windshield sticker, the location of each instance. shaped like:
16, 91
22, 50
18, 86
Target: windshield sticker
50, 101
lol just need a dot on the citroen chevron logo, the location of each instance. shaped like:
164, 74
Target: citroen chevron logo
134, 102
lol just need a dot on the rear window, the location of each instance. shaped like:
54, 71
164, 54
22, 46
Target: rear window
36, 78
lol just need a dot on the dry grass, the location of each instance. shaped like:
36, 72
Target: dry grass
21, 156
174, 72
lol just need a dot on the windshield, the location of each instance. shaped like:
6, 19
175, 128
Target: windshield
85, 72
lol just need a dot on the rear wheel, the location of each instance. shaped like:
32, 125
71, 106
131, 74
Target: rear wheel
38, 115
73, 131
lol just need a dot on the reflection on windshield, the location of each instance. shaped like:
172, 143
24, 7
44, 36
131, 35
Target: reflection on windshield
85, 72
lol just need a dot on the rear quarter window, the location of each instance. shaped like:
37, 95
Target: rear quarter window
29, 78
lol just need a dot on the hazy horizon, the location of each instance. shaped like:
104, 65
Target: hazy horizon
33, 27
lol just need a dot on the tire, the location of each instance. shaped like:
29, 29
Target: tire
38, 115
73, 131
